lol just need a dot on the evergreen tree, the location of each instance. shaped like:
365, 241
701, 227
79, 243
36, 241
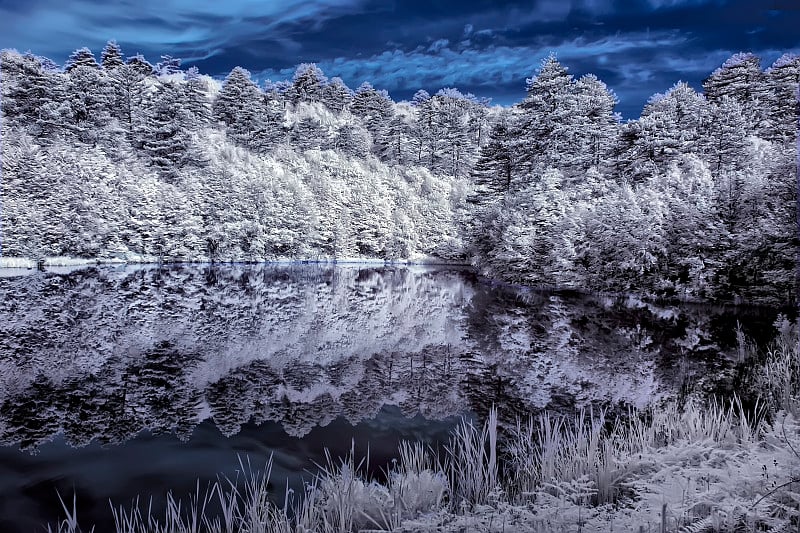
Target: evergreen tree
393, 143
372, 106
196, 101
740, 78
308, 84
127, 99
141, 65
336, 95
82, 57
241, 106
544, 132
726, 137
32, 97
165, 140
782, 80
352, 139
492, 173
90, 97
111, 56
671, 124
168, 65
308, 134
595, 124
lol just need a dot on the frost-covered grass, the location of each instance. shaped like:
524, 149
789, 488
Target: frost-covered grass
713, 466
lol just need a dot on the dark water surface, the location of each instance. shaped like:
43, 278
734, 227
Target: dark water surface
116, 382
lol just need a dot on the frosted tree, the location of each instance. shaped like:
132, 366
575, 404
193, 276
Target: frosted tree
393, 143
32, 97
111, 57
454, 111
740, 78
308, 84
127, 98
543, 130
671, 124
90, 97
782, 79
196, 100
726, 137
241, 106
336, 95
372, 106
308, 133
82, 57
168, 65
140, 64
694, 235
492, 173
595, 123
165, 140
352, 139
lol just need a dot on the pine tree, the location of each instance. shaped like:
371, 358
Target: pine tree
241, 106
544, 132
31, 96
82, 57
782, 80
111, 57
336, 95
671, 124
492, 174
91, 101
127, 99
595, 126
165, 140
373, 106
168, 65
393, 141
352, 139
308, 84
308, 134
740, 78
142, 65
196, 101
726, 137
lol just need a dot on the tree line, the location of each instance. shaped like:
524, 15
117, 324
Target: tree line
697, 198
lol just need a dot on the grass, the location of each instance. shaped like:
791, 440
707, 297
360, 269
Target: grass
697, 467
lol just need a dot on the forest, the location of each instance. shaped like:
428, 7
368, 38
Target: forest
123, 160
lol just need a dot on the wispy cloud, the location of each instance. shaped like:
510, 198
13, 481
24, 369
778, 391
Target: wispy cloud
194, 29
443, 65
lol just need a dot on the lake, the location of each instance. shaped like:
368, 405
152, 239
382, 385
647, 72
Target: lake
125, 381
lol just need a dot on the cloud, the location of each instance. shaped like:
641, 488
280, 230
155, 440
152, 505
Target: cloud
442, 65
182, 27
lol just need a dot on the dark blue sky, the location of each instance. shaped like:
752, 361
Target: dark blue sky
638, 47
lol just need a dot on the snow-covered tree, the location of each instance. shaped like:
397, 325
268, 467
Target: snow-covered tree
140, 64
82, 57
241, 106
372, 106
168, 65
165, 139
782, 80
336, 95
308, 84
740, 78
111, 57
492, 173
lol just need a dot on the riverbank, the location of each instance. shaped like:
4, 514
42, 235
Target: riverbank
670, 467
66, 261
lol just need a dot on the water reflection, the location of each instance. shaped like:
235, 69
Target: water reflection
101, 354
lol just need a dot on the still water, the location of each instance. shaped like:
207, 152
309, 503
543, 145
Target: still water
125, 381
